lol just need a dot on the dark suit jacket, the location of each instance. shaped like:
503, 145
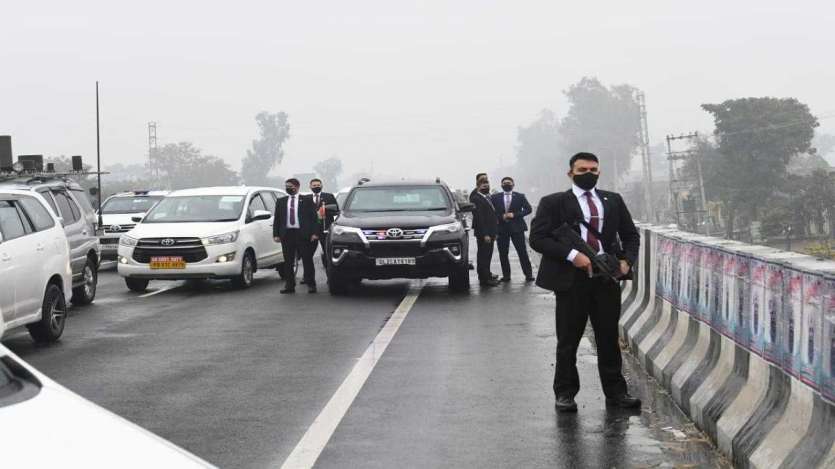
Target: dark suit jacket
619, 236
485, 222
520, 208
326, 198
308, 225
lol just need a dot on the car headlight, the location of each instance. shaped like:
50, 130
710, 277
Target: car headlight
338, 230
126, 240
449, 227
224, 238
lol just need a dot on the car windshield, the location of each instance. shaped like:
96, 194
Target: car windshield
196, 208
136, 204
397, 199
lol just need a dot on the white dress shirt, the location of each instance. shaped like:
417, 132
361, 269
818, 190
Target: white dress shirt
584, 206
508, 199
294, 199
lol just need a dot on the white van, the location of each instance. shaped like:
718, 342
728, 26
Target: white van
35, 272
117, 214
213, 232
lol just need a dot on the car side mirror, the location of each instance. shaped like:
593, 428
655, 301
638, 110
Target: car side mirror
332, 209
136, 219
94, 190
261, 215
466, 207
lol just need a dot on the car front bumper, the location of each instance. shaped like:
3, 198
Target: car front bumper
357, 262
207, 268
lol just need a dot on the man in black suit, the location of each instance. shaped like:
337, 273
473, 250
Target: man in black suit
485, 228
568, 273
323, 217
511, 209
296, 228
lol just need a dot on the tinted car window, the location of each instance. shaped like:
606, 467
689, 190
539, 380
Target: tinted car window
46, 195
256, 204
269, 200
11, 225
37, 214
83, 200
64, 208
196, 208
136, 204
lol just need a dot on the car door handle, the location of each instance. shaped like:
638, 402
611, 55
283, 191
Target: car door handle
39, 247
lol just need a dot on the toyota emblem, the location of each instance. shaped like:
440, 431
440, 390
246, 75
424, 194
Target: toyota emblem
115, 228
167, 242
394, 233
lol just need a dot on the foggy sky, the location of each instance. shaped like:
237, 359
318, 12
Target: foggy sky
414, 88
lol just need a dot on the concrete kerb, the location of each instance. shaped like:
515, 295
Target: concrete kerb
744, 405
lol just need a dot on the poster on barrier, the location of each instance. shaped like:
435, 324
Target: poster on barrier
756, 305
660, 266
740, 314
716, 282
705, 276
828, 365
694, 253
676, 260
773, 312
808, 360
728, 266
792, 319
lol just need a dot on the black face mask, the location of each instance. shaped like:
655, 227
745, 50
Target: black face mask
585, 181
316, 190
507, 187
290, 190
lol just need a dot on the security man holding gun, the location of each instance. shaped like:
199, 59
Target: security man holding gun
584, 292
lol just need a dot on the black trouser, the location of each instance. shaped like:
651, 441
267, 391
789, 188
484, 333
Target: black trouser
293, 243
314, 245
518, 239
597, 299
483, 258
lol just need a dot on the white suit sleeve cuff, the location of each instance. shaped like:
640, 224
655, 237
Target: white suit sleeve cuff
572, 255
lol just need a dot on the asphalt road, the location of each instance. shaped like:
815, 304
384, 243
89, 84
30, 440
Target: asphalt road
238, 377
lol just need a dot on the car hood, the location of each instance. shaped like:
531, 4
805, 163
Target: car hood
79, 434
108, 219
182, 230
394, 219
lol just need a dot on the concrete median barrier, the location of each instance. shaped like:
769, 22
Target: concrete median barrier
743, 338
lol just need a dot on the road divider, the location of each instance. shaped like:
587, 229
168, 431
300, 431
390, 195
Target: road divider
743, 338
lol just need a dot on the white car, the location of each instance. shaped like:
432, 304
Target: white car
34, 410
213, 232
117, 214
35, 272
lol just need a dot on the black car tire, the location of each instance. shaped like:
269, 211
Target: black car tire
53, 316
337, 284
86, 293
137, 284
459, 279
247, 275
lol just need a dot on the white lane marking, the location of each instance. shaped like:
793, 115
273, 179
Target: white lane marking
309, 448
161, 290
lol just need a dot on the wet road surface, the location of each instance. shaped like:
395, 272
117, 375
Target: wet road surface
238, 377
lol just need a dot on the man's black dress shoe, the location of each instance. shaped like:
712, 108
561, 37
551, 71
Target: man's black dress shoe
565, 404
494, 276
505, 279
311, 289
287, 290
489, 283
624, 401
529, 279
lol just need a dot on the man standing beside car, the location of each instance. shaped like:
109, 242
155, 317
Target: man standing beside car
323, 217
296, 228
511, 209
568, 273
485, 228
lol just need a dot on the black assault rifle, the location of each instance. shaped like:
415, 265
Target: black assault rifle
603, 265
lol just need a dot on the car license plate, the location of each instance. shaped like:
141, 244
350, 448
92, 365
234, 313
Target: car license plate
395, 261
168, 262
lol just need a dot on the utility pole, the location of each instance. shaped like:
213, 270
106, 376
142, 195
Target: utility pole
152, 148
646, 162
682, 184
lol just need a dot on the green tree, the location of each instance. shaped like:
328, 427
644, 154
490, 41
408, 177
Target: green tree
539, 158
604, 121
181, 165
266, 152
329, 171
756, 139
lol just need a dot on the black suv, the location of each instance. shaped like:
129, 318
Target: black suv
403, 229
